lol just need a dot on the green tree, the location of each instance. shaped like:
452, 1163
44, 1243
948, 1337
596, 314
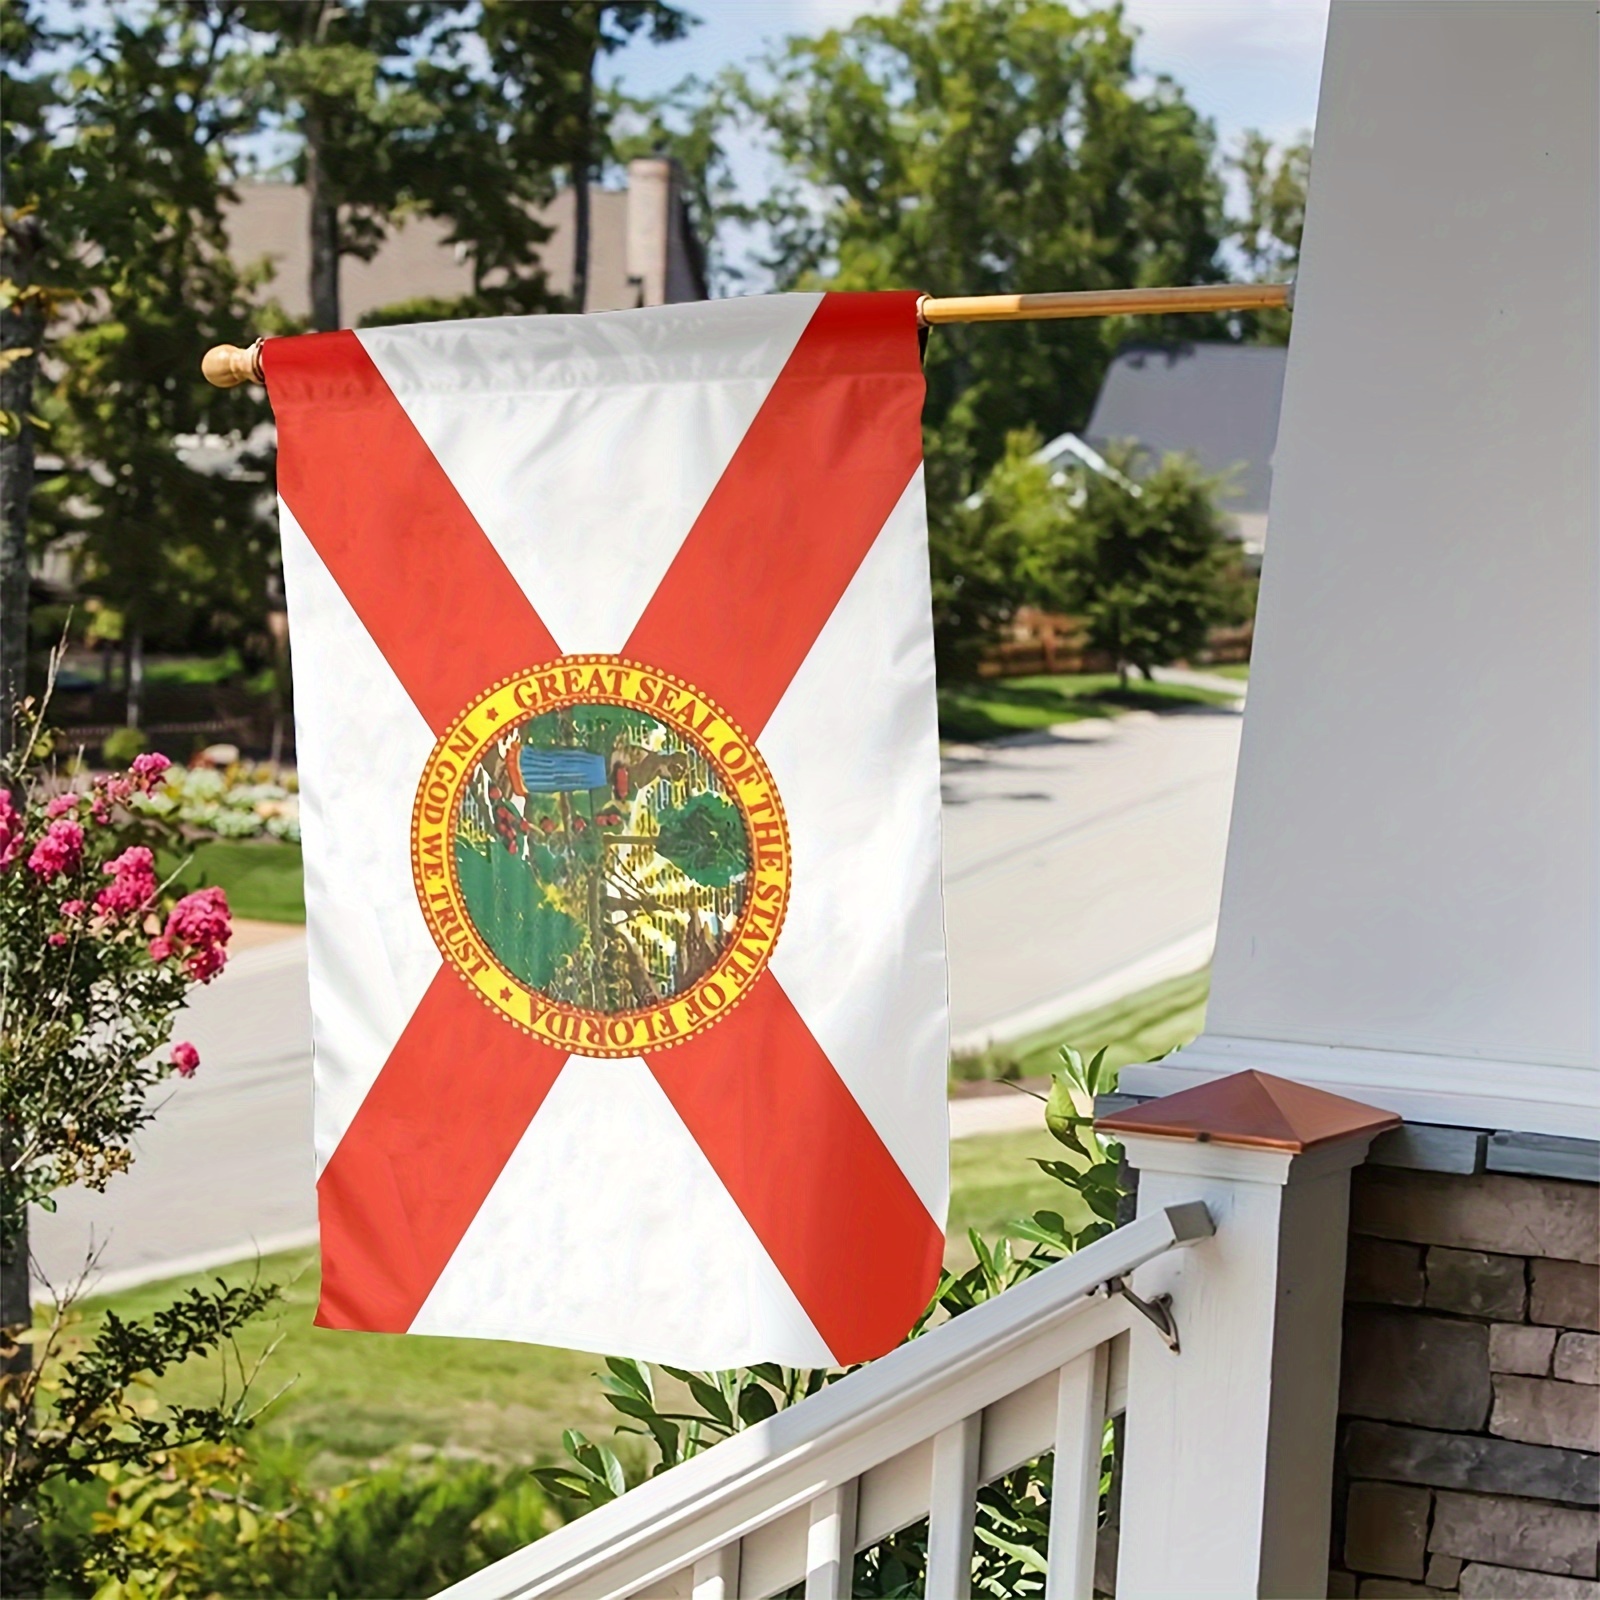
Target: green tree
704, 837
1010, 543
1267, 233
1137, 551
463, 110
38, 274
117, 168
168, 542
1152, 572
588, 30
338, 77
975, 146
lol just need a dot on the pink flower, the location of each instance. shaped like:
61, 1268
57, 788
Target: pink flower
160, 949
133, 882
109, 791
61, 805
59, 851
57, 939
204, 964
185, 1058
147, 769
200, 918
10, 831
74, 908
200, 926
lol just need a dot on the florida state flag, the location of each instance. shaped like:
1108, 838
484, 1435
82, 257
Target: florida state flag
620, 795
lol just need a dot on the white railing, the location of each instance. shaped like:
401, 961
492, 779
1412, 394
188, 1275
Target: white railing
913, 1435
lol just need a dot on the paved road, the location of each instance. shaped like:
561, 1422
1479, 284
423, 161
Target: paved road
226, 1165
1079, 864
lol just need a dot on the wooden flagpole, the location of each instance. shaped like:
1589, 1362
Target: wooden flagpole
933, 310
227, 366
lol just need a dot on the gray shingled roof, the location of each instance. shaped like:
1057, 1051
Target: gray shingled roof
1216, 402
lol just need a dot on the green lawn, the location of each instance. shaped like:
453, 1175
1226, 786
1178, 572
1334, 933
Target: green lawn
993, 1181
354, 1398
1234, 669
1141, 1027
992, 707
264, 878
193, 669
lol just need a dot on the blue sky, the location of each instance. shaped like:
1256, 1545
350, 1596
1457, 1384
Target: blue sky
1245, 63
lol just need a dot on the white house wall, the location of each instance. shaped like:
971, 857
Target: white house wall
1411, 898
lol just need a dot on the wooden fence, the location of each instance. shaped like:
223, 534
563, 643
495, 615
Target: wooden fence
1047, 642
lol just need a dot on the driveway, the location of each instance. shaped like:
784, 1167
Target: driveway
1080, 864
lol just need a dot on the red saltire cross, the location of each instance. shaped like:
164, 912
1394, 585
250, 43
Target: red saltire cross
823, 464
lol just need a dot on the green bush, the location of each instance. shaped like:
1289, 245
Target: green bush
1155, 572
407, 1530
97, 957
1137, 551
229, 1522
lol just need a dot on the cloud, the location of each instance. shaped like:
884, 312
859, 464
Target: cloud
1244, 63
1272, 29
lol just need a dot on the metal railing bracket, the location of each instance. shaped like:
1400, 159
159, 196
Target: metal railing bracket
1158, 1312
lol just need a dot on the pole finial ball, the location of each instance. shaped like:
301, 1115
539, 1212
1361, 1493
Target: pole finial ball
226, 366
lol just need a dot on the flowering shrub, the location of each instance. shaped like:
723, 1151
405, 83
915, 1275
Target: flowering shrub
96, 956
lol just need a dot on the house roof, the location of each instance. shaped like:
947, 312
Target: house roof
1216, 402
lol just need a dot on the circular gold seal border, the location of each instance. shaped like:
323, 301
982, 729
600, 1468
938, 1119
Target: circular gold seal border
603, 680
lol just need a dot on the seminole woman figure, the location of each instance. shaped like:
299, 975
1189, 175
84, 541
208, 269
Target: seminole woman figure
564, 769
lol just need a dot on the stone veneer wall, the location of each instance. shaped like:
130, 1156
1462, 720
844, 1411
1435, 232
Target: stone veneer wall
1470, 1413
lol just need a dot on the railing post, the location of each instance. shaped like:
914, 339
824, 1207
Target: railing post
1075, 1489
831, 1544
1227, 1475
716, 1576
952, 1509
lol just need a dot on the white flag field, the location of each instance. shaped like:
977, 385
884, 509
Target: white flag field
614, 700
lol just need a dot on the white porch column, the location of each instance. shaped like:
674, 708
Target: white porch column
1411, 905
1227, 1476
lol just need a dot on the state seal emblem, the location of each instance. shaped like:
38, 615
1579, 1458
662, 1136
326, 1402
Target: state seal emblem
601, 854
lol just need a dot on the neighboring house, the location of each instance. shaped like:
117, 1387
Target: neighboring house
1067, 451
1215, 402
1064, 454
642, 252
642, 249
